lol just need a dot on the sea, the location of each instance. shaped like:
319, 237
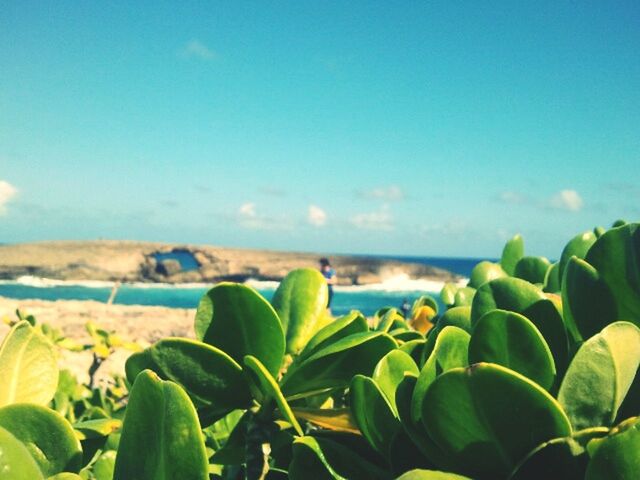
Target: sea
368, 299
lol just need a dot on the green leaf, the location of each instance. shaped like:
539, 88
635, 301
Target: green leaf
390, 371
373, 413
457, 317
588, 305
335, 365
430, 475
48, 437
553, 281
564, 458
335, 419
321, 458
105, 465
511, 340
239, 321
489, 417
616, 256
578, 247
353, 322
270, 390
73, 476
485, 272
423, 300
96, 428
28, 367
520, 296
512, 252
161, 437
448, 294
464, 296
301, 301
16, 463
391, 320
532, 269
600, 376
211, 377
450, 351
616, 456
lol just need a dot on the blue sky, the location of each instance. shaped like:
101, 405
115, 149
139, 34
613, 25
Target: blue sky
418, 128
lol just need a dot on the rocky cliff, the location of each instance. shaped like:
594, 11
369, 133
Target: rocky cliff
138, 261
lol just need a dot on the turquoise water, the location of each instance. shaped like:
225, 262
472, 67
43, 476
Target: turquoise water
367, 299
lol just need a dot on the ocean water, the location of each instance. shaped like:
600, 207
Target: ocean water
391, 292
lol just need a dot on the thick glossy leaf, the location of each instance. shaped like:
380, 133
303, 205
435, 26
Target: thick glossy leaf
335, 365
512, 252
588, 305
553, 281
390, 371
457, 317
520, 296
477, 415
565, 458
16, 463
211, 377
301, 301
391, 320
448, 294
321, 458
450, 351
511, 340
161, 437
404, 455
403, 336
430, 475
96, 428
48, 437
464, 296
28, 367
336, 419
616, 456
73, 476
578, 247
353, 322
104, 466
532, 269
600, 376
430, 451
485, 272
270, 390
424, 300
616, 256
239, 321
373, 413
511, 294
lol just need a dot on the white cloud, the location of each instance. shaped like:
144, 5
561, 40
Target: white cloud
512, 197
247, 210
567, 200
248, 216
7, 192
196, 49
316, 216
380, 219
391, 193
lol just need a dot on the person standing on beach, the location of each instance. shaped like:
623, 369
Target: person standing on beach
330, 276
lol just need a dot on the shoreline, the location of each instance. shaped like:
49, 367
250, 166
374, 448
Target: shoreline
141, 324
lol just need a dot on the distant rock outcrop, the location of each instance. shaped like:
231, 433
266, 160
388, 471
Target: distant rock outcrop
136, 261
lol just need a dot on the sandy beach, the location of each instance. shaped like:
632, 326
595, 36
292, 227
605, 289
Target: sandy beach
141, 324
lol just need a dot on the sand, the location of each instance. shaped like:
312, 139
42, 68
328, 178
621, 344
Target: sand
141, 324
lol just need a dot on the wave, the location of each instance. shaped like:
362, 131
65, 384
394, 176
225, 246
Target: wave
395, 283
